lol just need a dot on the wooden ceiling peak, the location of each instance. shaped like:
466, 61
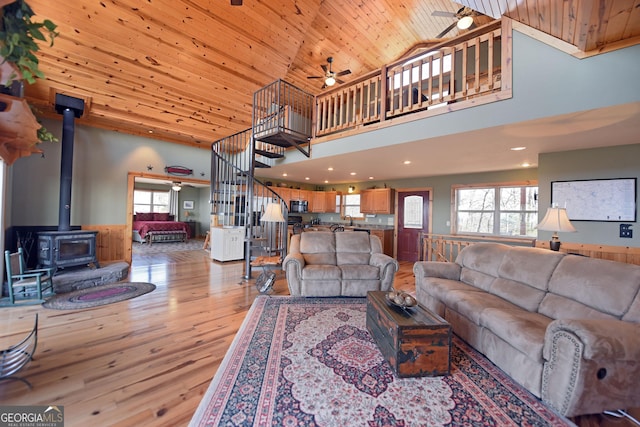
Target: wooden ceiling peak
187, 71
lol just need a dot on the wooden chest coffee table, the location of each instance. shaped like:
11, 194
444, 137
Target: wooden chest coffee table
414, 341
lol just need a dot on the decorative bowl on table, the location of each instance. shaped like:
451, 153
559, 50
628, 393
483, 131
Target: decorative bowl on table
401, 299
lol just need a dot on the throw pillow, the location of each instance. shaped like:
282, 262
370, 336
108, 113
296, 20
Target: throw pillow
161, 216
144, 216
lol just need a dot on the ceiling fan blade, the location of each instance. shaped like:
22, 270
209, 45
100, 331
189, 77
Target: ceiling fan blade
236, 2
315, 77
339, 81
343, 73
324, 68
446, 30
443, 13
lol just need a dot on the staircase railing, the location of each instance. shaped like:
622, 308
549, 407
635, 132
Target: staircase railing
239, 200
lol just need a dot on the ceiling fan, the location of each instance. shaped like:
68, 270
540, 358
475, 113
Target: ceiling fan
464, 19
330, 77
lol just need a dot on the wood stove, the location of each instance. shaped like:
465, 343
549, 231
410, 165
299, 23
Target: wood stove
67, 248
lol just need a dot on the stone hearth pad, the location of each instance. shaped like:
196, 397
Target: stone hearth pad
82, 278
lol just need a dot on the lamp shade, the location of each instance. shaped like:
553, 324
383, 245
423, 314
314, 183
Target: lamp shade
273, 213
330, 81
555, 220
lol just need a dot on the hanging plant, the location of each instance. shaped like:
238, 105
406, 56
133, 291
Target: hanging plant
18, 39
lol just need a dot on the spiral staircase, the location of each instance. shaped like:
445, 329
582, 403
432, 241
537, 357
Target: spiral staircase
282, 117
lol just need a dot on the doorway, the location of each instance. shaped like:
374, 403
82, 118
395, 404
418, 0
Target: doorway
414, 213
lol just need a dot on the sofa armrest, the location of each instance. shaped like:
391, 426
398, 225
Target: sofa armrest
441, 269
591, 365
388, 268
602, 338
293, 264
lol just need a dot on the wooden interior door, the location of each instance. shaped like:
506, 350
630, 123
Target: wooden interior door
413, 219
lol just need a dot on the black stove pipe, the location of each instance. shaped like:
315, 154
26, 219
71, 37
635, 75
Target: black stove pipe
70, 108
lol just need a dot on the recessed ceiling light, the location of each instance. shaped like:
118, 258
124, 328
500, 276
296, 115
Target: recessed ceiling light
407, 162
150, 131
284, 174
329, 168
326, 181
370, 177
526, 165
518, 148
306, 178
352, 173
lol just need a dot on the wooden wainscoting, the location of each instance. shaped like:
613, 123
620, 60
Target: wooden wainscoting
612, 253
110, 242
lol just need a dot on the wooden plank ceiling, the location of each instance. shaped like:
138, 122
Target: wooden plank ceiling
185, 71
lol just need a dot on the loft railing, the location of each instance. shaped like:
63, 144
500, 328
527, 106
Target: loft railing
440, 76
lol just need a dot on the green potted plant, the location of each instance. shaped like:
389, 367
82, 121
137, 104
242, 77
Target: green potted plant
18, 39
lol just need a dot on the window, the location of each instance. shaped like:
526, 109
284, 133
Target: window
351, 205
150, 201
509, 210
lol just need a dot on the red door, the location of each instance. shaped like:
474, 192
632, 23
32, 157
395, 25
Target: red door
413, 219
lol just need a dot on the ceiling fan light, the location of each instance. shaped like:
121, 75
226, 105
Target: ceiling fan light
465, 22
330, 81
176, 187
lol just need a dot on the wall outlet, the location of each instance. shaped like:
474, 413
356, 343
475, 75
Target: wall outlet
626, 231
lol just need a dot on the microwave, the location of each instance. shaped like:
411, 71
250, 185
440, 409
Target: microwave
299, 206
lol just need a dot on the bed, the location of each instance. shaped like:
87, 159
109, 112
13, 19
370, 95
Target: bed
158, 227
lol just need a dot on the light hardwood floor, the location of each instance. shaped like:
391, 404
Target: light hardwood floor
147, 361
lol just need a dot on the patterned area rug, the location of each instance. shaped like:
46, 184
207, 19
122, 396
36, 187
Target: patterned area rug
312, 362
98, 295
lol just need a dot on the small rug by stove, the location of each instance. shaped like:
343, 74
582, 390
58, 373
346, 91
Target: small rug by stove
312, 362
98, 295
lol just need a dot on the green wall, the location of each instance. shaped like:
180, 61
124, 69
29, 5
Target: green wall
613, 162
101, 163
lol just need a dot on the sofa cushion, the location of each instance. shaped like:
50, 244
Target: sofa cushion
360, 272
352, 248
522, 295
559, 307
438, 288
476, 279
521, 329
318, 247
485, 258
531, 266
471, 303
321, 272
607, 286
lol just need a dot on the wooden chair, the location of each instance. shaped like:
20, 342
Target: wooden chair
25, 283
16, 357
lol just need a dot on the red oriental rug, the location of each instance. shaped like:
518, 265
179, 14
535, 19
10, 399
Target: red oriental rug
312, 362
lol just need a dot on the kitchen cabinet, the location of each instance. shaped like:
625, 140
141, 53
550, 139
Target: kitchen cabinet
323, 202
227, 243
386, 239
377, 201
319, 202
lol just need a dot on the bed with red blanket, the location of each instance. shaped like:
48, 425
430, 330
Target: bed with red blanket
149, 227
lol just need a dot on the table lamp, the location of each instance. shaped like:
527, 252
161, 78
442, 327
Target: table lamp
556, 220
